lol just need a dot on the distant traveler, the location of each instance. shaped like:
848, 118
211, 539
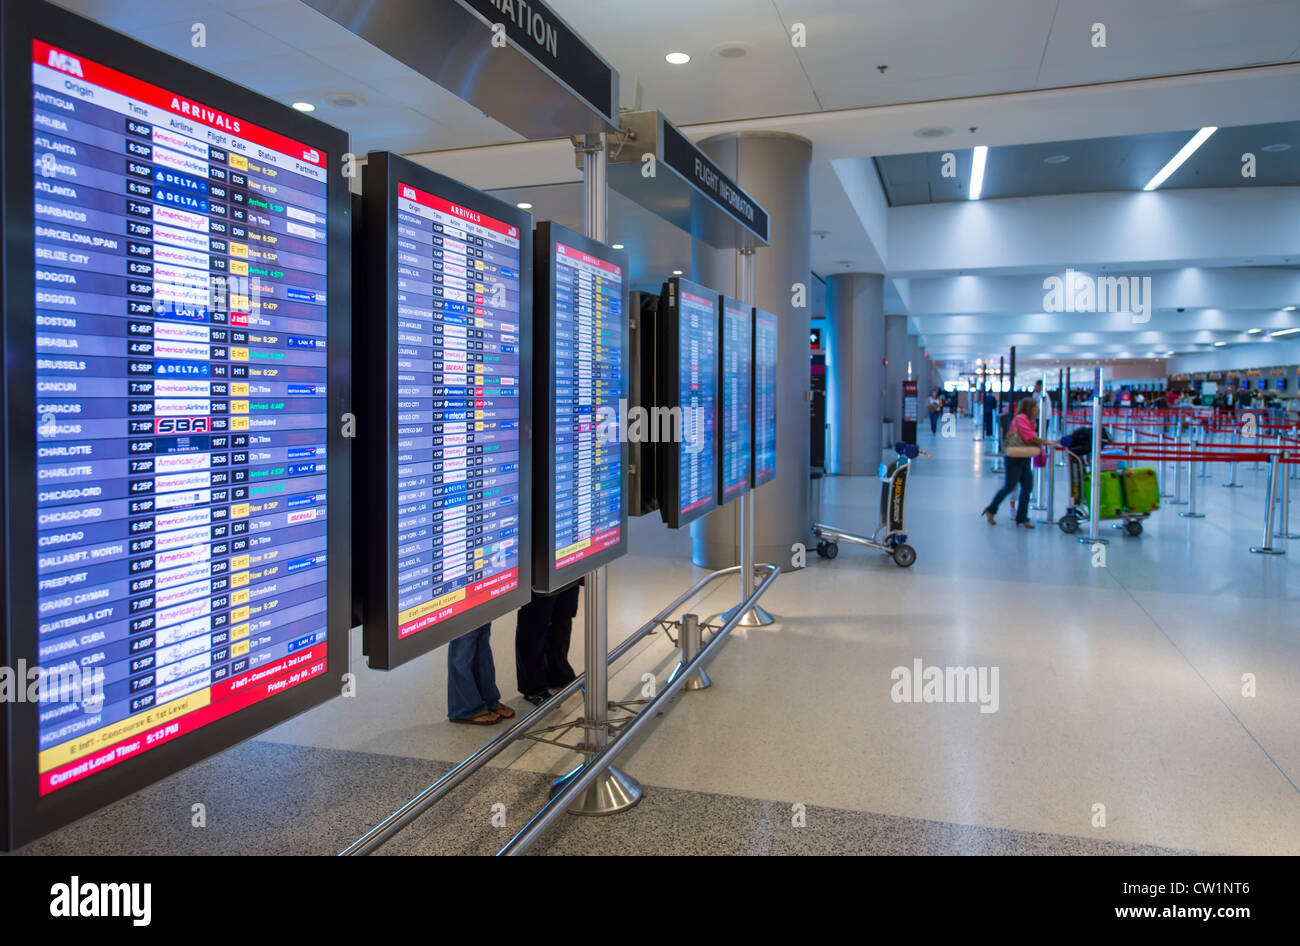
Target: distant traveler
1020, 472
936, 405
542, 632
472, 694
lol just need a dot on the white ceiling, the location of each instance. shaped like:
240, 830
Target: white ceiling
1016, 71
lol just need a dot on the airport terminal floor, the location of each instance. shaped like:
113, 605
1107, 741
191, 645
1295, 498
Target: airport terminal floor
1119, 684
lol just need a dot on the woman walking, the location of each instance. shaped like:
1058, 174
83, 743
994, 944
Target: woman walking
1022, 445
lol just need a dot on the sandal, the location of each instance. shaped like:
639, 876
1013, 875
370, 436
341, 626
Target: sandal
488, 718
1026, 524
503, 711
989, 516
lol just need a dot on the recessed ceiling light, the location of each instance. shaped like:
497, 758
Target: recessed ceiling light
1220, 344
677, 272
618, 246
1273, 149
1289, 308
1185, 152
1253, 331
732, 50
678, 59
1285, 331
977, 171
524, 205
304, 106
1056, 159
934, 131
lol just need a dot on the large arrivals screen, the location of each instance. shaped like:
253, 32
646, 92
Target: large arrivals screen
458, 409
764, 396
697, 387
737, 353
588, 353
180, 272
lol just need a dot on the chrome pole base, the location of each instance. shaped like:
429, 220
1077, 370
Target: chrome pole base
754, 617
1288, 535
613, 791
699, 680
1232, 486
1263, 551
1192, 515
1084, 540
1176, 502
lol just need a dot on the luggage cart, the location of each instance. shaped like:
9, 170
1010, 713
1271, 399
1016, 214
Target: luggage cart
1077, 510
889, 536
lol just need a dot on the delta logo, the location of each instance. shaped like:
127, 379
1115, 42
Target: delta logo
65, 63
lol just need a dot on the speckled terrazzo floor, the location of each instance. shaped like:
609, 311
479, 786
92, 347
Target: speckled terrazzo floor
316, 801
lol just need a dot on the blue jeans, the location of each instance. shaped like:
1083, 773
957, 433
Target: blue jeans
1020, 472
471, 675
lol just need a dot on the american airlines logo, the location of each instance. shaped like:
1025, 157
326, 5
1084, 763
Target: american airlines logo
65, 63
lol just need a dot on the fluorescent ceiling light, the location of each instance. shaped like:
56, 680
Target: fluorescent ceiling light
678, 59
1253, 331
1289, 308
977, 171
1185, 152
677, 272
618, 246
524, 205
1285, 331
1220, 344
304, 106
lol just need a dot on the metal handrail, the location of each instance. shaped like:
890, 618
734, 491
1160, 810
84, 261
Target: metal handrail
383, 832
597, 764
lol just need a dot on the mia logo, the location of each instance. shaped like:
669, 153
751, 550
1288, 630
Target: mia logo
65, 63
1079, 292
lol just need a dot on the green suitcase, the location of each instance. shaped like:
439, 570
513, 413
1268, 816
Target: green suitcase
1112, 494
1141, 490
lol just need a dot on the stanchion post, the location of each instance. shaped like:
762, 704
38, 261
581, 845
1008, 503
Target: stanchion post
691, 641
1049, 473
1178, 463
1284, 530
1232, 480
1044, 431
1266, 547
1094, 480
1192, 512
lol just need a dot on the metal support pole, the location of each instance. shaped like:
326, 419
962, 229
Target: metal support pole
691, 641
1049, 471
1094, 481
1284, 532
1232, 481
613, 790
1267, 547
1192, 512
1178, 464
746, 291
1044, 418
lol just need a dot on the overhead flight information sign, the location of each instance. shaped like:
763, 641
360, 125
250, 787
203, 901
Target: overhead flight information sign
736, 355
459, 299
764, 465
181, 367
581, 355
690, 352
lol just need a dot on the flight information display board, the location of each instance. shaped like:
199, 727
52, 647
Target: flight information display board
735, 372
764, 463
643, 367
448, 334
688, 474
176, 490
581, 370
